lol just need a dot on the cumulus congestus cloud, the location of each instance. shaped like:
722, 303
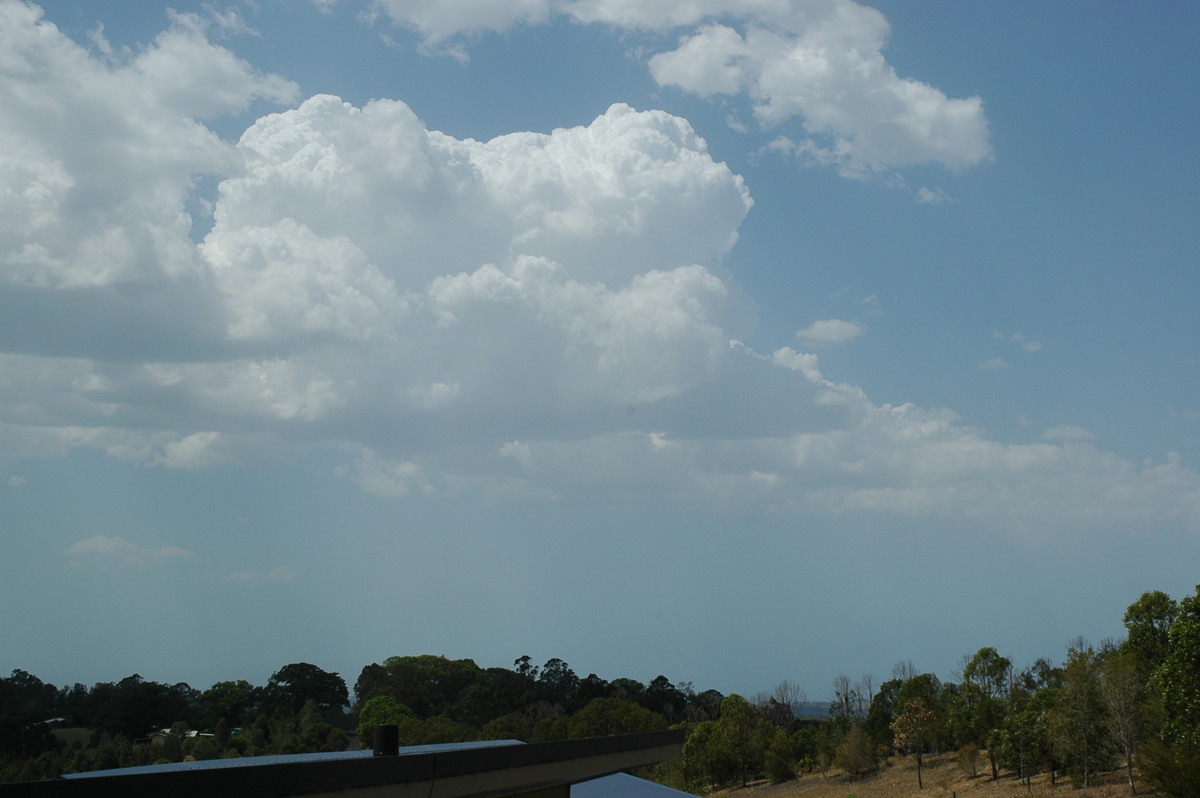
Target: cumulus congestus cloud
534, 315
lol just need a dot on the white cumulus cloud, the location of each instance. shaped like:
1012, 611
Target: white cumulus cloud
830, 331
538, 315
816, 61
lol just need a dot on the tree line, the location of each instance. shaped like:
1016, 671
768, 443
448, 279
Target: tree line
1114, 705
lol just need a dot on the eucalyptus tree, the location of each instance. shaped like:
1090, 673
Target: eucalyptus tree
985, 681
1179, 676
1078, 724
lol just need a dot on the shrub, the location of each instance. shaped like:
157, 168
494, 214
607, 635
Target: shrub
968, 759
1174, 772
856, 755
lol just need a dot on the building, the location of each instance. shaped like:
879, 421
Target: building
588, 768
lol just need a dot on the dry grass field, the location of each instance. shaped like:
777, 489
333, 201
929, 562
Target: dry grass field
942, 778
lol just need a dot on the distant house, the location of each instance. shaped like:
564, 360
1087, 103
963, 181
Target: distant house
159, 736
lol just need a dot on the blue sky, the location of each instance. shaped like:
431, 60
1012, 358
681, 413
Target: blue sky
738, 341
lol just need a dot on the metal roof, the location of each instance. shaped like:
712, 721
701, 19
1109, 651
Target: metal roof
283, 759
622, 785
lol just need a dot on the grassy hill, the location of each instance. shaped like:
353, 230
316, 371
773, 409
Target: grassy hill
942, 778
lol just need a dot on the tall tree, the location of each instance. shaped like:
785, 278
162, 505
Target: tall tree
910, 730
929, 689
704, 706
984, 687
783, 704
1148, 627
1077, 723
590, 688
740, 730
706, 763
1032, 697
878, 724
844, 706
231, 700
430, 685
524, 666
294, 685
1120, 693
1179, 676
665, 698
558, 682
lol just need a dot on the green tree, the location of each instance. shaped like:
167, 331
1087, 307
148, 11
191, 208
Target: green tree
309, 732
856, 754
590, 688
740, 730
1173, 771
294, 685
984, 687
495, 692
780, 759
1077, 722
558, 682
704, 706
524, 666
505, 727
1026, 742
1148, 627
705, 761
936, 696
25, 701
910, 730
380, 711
1178, 677
231, 700
628, 690
133, 707
1120, 693
608, 716
878, 724
665, 698
438, 729
430, 685
551, 727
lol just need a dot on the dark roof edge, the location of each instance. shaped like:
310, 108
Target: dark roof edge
516, 768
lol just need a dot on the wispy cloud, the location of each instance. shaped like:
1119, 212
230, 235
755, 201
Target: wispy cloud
282, 573
1067, 432
1019, 338
933, 196
115, 552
